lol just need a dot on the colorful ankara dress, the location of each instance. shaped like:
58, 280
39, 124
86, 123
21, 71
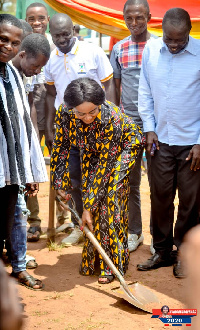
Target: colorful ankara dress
108, 148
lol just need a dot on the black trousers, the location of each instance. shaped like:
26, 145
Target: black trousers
8, 199
76, 178
135, 216
170, 171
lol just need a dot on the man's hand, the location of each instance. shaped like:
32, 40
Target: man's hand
31, 189
49, 136
87, 219
194, 154
152, 140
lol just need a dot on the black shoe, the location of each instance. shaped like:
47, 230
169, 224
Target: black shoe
154, 262
178, 270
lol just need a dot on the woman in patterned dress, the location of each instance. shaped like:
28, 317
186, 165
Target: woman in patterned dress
109, 142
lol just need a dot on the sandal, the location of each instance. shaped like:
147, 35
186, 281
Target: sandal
36, 230
109, 279
27, 280
30, 262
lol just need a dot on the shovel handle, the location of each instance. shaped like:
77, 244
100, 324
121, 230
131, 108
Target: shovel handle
95, 243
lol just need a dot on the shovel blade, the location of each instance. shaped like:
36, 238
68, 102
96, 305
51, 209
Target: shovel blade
145, 298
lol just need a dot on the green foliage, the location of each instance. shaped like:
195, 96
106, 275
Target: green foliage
8, 7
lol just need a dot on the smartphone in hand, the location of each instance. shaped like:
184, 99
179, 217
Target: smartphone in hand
153, 149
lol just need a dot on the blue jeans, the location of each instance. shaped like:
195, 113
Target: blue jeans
75, 176
18, 236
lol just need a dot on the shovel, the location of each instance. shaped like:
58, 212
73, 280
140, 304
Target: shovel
136, 294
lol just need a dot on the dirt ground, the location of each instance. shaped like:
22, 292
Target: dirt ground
72, 301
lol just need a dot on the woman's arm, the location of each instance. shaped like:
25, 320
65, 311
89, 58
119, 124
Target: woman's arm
112, 161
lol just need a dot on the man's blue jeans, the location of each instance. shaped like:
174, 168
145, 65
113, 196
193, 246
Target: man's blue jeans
18, 236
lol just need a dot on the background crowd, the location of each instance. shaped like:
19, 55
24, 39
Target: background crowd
99, 115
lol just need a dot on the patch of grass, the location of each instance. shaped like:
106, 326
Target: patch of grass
54, 320
52, 246
71, 294
55, 297
39, 313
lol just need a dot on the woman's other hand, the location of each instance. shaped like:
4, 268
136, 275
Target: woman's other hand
87, 219
64, 198
62, 193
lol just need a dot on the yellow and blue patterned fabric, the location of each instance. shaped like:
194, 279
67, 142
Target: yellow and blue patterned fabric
108, 149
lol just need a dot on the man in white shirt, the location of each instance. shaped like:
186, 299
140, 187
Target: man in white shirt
71, 60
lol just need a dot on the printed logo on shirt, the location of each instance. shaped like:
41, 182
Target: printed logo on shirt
81, 69
27, 88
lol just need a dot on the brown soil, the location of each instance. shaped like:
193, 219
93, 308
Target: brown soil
72, 301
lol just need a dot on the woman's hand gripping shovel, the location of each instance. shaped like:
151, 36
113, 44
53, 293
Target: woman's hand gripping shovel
136, 294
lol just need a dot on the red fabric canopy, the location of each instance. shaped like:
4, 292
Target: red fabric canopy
107, 17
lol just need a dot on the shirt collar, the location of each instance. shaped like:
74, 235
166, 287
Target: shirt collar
190, 47
73, 51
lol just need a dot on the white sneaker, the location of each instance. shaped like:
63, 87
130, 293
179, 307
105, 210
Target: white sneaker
134, 241
66, 226
152, 250
74, 238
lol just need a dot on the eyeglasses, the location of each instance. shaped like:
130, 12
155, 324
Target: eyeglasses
83, 114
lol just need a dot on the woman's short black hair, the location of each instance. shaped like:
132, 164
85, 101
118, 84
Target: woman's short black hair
83, 90
165, 306
11, 20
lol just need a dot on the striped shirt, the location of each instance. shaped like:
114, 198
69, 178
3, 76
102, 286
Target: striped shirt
21, 159
169, 92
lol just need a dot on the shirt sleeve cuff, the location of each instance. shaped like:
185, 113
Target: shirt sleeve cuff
198, 141
149, 127
107, 78
116, 75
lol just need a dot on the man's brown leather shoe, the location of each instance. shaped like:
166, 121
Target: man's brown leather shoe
178, 270
156, 261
